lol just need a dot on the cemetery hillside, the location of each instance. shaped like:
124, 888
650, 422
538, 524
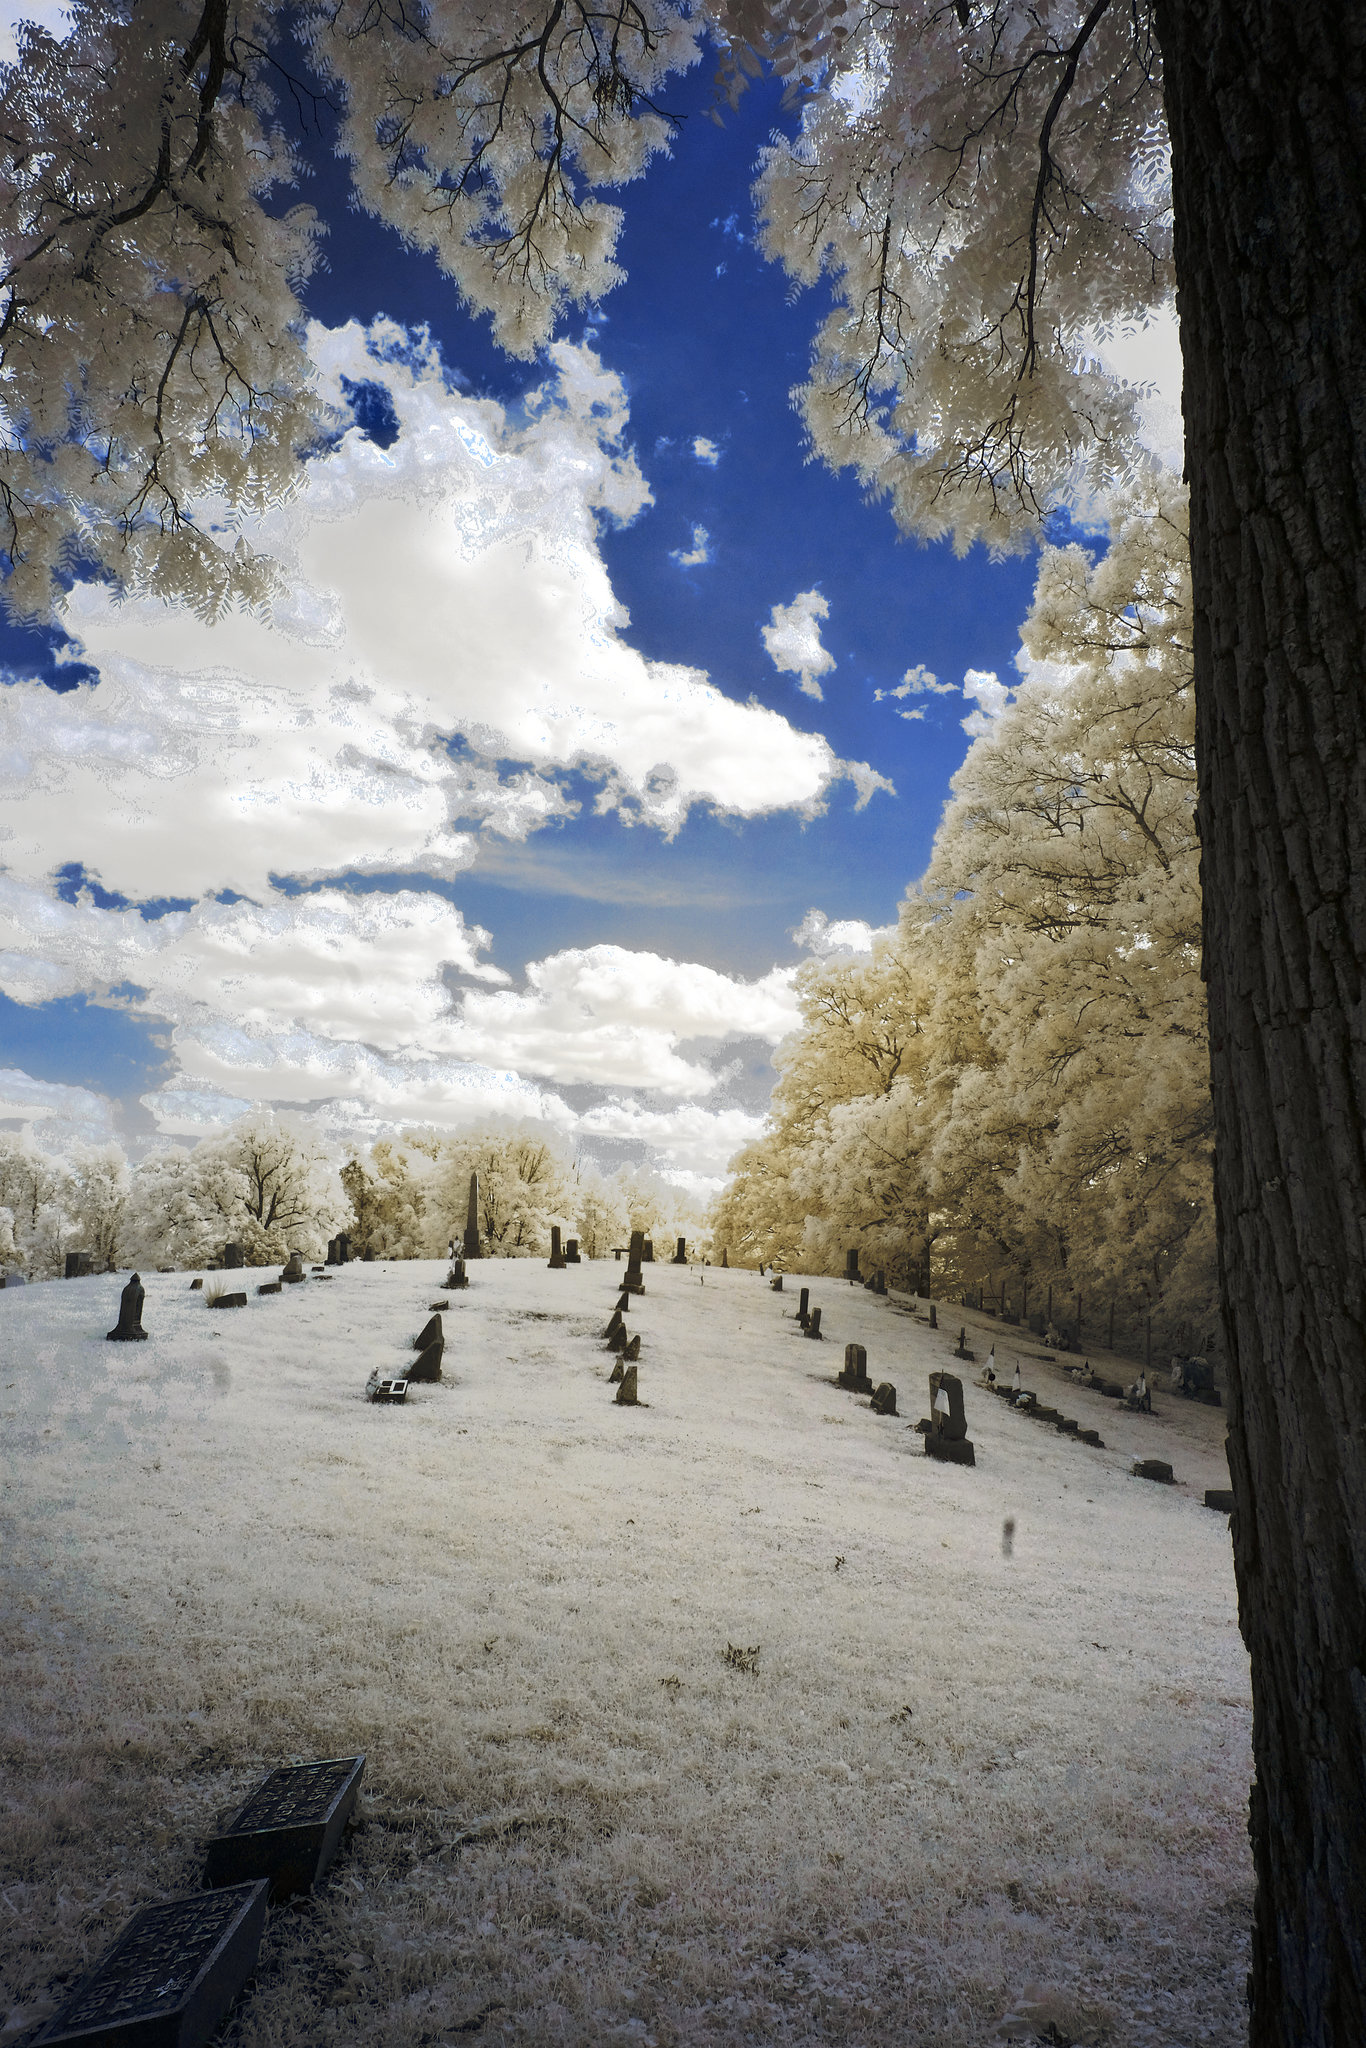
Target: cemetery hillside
716, 1715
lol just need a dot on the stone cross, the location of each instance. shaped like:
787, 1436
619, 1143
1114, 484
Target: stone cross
128, 1329
471, 1244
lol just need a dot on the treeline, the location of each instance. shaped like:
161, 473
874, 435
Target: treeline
1010, 1098
273, 1189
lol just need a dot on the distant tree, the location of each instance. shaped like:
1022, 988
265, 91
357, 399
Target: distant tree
600, 1219
260, 1185
388, 1203
100, 1187
38, 1192
524, 1187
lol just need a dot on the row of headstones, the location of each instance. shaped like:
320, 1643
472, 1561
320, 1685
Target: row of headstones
178, 1965
624, 1375
292, 1274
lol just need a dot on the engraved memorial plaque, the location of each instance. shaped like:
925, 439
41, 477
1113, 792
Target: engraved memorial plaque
289, 1829
170, 1976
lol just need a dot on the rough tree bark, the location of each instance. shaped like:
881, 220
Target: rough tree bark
1267, 106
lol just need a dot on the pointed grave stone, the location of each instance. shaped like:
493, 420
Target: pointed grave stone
430, 1333
470, 1244
128, 1329
618, 1372
426, 1367
613, 1326
627, 1395
632, 1350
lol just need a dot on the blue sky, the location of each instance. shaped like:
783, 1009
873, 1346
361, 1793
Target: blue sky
557, 867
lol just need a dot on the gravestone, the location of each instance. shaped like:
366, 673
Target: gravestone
228, 1301
1092, 1437
776, 1283
556, 1254
613, 1326
948, 1431
725, 1257
934, 1317
331, 1258
232, 1258
618, 1372
393, 1388
647, 1251
627, 1395
634, 1282
78, 1265
343, 1249
851, 1272
293, 1269
618, 1339
289, 1829
457, 1277
813, 1325
680, 1257
632, 1350
128, 1329
623, 1302
171, 1975
1220, 1498
194, 1284
571, 1252
426, 1367
1153, 1468
271, 1287
470, 1244
961, 1349
430, 1333
854, 1378
803, 1305
437, 1306
884, 1398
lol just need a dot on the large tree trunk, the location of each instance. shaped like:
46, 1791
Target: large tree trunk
1267, 105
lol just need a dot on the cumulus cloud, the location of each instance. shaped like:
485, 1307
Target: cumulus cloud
52, 1113
697, 554
826, 937
706, 451
917, 682
688, 1142
613, 1017
991, 696
793, 641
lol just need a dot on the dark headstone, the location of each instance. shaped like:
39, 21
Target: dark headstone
271, 1287
632, 1351
813, 1324
331, 1258
618, 1372
427, 1365
725, 1259
880, 1281
343, 1249
854, 1378
470, 1244
437, 1306
680, 1257
1153, 1468
556, 1253
946, 1407
613, 1326
394, 1388
627, 1396
934, 1317
633, 1283
776, 1283
430, 1333
949, 1450
884, 1398
293, 1268
170, 1976
229, 1301
571, 1252
624, 1300
457, 1277
618, 1339
128, 1329
851, 1263
647, 1251
1066, 1426
289, 1829
1092, 1437
232, 1258
803, 1305
78, 1264
1220, 1498
962, 1347
194, 1284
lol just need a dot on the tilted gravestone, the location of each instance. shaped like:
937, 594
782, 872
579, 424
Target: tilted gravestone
470, 1244
430, 1333
289, 1829
232, 1258
170, 1976
680, 1257
803, 1306
947, 1434
854, 1378
884, 1398
627, 1394
194, 1284
556, 1254
426, 1367
813, 1325
128, 1329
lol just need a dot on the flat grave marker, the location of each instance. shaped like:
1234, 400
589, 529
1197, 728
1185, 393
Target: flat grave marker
290, 1827
171, 1975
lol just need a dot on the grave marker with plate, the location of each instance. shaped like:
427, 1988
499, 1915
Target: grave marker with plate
289, 1829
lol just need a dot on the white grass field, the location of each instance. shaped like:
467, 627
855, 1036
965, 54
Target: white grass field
966, 1798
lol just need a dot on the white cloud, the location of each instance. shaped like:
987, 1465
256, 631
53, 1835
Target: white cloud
697, 554
688, 1142
54, 1114
825, 937
706, 451
1149, 357
915, 683
49, 14
605, 1015
991, 696
793, 641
